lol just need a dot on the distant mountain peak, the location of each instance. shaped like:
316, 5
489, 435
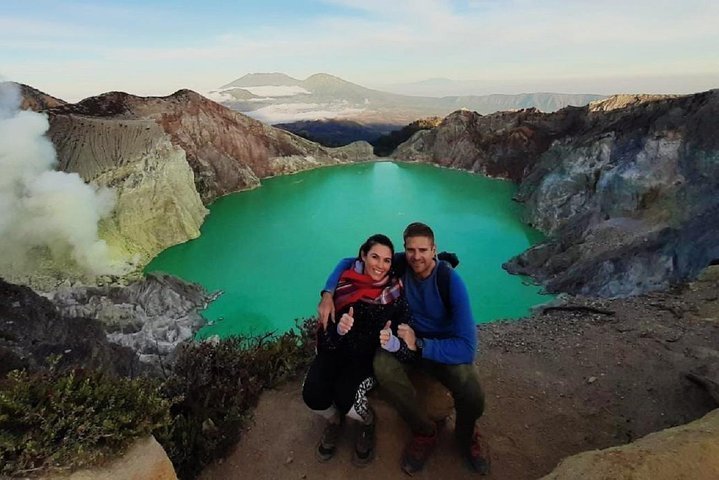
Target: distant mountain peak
324, 80
276, 79
325, 77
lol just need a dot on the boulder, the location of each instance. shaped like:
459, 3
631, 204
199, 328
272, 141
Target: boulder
689, 451
144, 460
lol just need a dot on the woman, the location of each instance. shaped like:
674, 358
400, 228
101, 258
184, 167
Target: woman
368, 300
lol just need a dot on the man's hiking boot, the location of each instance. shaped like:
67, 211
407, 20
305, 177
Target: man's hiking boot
364, 445
418, 451
478, 454
328, 443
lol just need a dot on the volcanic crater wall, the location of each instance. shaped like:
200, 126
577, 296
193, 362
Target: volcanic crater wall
626, 189
169, 157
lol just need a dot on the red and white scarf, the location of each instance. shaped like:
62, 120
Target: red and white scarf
355, 286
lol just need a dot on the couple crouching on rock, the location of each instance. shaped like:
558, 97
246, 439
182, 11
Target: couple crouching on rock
420, 318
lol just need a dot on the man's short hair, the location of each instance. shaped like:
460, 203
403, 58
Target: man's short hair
418, 229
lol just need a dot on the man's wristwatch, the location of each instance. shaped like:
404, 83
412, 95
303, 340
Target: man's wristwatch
419, 343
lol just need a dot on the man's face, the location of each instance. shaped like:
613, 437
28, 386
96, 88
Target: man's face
420, 253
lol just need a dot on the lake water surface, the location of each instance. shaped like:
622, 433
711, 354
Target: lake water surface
270, 249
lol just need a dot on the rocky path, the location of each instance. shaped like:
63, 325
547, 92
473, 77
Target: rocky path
556, 384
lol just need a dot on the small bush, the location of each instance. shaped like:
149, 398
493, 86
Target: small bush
218, 383
64, 420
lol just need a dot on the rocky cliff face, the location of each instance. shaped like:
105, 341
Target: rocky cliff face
157, 203
226, 150
168, 157
626, 189
34, 99
151, 315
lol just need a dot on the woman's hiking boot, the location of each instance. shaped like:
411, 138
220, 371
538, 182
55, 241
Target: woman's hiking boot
364, 445
328, 443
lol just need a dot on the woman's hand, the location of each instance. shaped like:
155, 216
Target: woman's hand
385, 334
346, 322
326, 309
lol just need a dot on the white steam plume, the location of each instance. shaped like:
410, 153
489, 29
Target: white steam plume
42, 209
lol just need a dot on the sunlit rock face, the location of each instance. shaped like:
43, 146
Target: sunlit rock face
157, 204
35, 100
627, 189
144, 459
687, 451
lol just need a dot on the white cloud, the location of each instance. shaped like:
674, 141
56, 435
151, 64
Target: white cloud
277, 91
292, 112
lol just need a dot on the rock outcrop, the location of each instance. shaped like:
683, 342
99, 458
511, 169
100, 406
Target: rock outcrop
144, 460
624, 101
34, 99
689, 451
626, 189
169, 157
32, 328
151, 315
157, 204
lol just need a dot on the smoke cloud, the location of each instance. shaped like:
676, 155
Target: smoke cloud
45, 214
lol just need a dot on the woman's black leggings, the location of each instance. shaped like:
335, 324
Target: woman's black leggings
336, 379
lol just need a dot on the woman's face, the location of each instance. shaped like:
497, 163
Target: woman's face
377, 261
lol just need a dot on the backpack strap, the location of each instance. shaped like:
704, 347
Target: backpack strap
445, 263
443, 273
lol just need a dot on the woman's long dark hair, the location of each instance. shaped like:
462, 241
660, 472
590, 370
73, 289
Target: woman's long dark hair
376, 239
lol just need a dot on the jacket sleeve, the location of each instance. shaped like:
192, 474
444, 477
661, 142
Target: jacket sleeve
334, 277
329, 338
461, 346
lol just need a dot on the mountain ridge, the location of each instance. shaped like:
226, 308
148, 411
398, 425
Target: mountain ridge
334, 97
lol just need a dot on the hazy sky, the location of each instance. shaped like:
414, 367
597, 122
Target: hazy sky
74, 49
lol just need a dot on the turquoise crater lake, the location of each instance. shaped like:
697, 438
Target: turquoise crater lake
270, 249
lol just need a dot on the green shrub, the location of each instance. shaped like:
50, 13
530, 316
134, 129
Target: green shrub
55, 420
218, 383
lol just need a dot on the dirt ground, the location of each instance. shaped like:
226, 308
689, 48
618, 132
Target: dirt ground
561, 382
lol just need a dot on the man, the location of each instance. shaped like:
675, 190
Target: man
444, 335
